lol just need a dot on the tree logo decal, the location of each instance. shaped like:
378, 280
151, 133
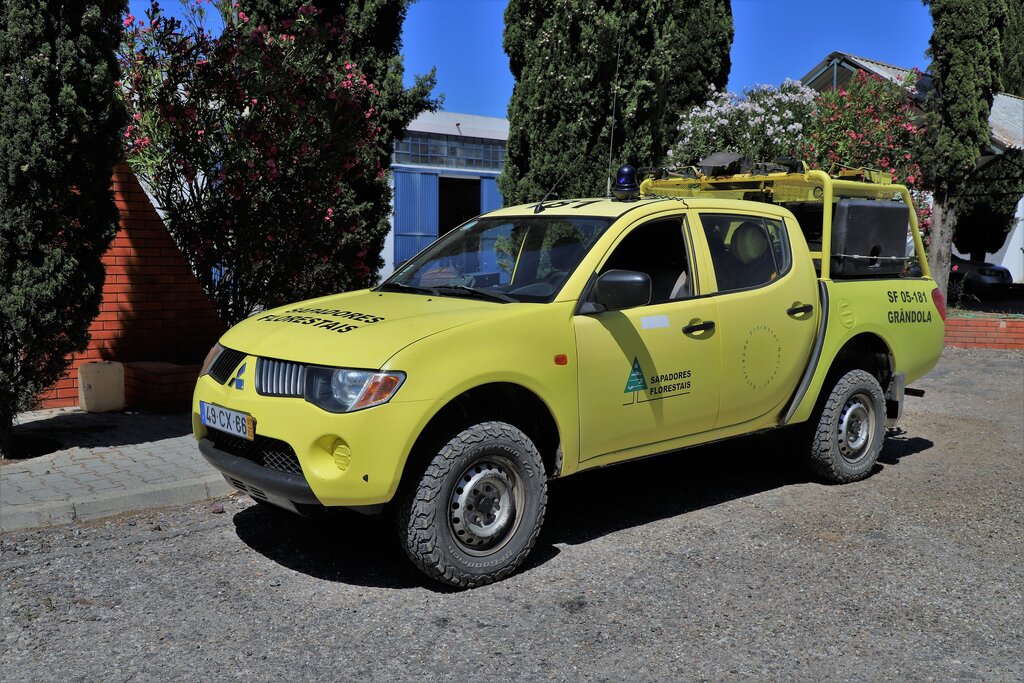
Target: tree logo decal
635, 382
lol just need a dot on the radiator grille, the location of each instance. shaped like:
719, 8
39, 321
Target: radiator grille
270, 453
226, 362
280, 378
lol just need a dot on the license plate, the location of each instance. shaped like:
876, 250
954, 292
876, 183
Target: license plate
230, 421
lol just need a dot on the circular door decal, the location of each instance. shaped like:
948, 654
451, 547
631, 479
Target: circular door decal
761, 357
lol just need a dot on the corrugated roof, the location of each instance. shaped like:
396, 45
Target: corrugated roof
887, 71
453, 123
1007, 121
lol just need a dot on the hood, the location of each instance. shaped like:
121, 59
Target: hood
357, 329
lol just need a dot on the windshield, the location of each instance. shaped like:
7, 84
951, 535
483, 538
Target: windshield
522, 258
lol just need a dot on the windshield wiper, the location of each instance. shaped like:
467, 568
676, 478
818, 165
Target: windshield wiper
482, 293
402, 287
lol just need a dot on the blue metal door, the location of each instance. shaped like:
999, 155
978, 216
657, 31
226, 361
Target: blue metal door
490, 196
415, 213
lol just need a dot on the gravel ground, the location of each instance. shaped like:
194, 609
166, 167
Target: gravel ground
718, 563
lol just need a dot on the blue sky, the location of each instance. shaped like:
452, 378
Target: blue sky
774, 40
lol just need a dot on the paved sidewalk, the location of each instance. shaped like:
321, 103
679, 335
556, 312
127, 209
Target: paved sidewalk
103, 464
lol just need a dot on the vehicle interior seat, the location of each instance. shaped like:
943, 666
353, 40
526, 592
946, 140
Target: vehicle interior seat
752, 249
566, 253
725, 264
681, 288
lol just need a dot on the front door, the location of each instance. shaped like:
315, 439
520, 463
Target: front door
642, 379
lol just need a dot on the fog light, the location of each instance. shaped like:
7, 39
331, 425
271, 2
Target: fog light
342, 455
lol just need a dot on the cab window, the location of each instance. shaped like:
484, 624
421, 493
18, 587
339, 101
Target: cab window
746, 251
658, 249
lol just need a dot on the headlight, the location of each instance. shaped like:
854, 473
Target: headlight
344, 390
211, 358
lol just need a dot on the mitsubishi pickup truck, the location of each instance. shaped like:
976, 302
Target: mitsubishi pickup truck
538, 341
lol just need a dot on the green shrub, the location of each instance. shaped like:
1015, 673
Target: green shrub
59, 123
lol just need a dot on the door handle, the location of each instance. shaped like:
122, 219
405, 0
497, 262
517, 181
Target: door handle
699, 327
800, 310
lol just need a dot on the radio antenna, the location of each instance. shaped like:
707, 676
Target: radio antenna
611, 136
540, 204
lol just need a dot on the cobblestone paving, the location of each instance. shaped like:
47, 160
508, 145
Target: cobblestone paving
103, 464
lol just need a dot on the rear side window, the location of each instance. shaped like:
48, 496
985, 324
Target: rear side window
746, 251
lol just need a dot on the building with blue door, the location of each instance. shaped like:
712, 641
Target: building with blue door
444, 172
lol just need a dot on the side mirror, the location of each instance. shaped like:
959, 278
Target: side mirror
620, 289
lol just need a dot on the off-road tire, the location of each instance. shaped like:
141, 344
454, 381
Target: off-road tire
855, 400
428, 524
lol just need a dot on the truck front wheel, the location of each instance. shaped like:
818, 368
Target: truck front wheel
475, 513
850, 429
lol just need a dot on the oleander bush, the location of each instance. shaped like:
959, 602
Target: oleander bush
265, 146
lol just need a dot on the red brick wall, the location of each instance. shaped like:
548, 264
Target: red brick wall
153, 308
985, 333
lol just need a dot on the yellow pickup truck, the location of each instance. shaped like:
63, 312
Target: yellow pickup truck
538, 341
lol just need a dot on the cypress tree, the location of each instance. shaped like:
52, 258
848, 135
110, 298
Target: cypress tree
988, 201
569, 58
59, 122
966, 53
1013, 50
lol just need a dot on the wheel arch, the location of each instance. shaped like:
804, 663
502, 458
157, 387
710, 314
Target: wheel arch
497, 401
865, 351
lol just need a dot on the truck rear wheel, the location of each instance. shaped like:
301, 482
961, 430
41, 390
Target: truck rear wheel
475, 514
850, 429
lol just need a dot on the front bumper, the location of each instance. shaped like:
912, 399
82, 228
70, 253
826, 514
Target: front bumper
347, 459
259, 482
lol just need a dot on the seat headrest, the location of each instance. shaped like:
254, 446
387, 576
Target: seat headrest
566, 253
749, 242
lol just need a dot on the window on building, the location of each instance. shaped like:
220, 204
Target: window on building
449, 151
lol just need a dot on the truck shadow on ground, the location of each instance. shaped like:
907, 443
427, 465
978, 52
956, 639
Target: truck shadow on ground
351, 548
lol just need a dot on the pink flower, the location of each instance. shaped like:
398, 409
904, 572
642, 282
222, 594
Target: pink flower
243, 17
137, 117
129, 20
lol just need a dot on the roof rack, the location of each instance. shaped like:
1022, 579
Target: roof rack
777, 183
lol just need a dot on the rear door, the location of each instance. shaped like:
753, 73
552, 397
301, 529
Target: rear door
767, 311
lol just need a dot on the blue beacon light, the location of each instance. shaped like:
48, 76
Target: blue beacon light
626, 187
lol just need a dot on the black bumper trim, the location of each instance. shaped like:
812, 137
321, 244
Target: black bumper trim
291, 486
